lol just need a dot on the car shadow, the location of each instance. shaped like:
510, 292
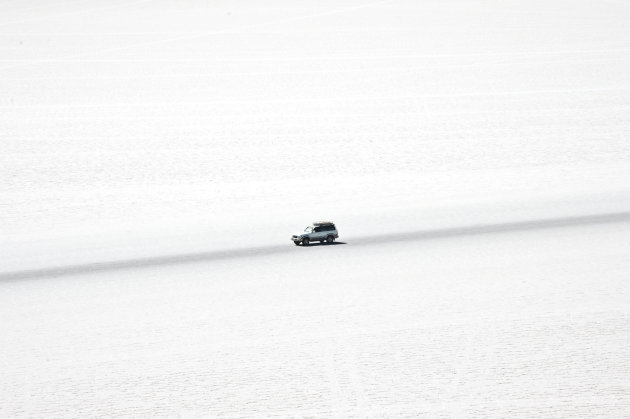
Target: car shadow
322, 244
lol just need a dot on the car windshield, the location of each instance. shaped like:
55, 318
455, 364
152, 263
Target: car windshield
308, 229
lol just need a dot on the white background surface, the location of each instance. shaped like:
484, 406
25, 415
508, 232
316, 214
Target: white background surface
156, 156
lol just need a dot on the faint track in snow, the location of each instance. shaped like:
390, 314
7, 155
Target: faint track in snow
76, 58
419, 235
360, 70
312, 100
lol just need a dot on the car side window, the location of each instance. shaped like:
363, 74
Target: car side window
317, 229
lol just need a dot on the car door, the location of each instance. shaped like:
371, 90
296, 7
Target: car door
318, 234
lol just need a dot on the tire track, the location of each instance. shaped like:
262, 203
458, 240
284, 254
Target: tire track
372, 240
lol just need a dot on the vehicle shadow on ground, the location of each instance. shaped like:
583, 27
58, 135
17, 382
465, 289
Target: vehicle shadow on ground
321, 244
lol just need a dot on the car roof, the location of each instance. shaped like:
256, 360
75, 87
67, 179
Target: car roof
323, 223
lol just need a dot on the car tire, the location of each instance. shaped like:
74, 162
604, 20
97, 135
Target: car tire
306, 241
330, 239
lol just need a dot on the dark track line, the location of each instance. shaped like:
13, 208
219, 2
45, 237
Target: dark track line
419, 235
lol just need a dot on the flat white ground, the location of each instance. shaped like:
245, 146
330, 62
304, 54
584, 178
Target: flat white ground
155, 157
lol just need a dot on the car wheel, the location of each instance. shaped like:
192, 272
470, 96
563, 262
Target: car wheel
330, 239
306, 241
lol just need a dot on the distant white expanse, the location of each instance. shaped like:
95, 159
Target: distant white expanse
156, 156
